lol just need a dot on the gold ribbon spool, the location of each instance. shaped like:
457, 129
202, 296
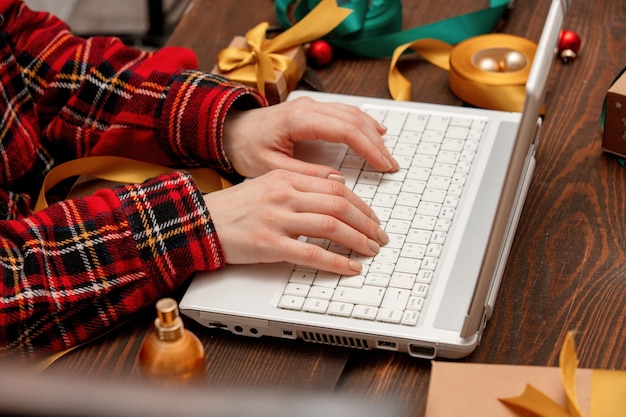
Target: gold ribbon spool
488, 71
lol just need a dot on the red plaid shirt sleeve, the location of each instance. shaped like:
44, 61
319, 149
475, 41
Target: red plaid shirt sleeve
81, 266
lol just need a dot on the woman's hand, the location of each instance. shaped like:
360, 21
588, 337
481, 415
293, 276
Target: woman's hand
260, 220
260, 140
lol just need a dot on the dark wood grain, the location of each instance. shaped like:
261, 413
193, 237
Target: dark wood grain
567, 267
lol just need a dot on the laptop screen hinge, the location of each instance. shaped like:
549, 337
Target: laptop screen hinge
467, 332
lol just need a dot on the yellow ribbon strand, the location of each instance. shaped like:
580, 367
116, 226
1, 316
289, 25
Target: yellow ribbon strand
123, 170
497, 90
262, 57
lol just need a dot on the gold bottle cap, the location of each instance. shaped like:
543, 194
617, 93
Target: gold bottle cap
168, 323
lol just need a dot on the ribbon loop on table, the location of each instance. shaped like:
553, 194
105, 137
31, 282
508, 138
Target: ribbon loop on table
123, 170
262, 56
504, 90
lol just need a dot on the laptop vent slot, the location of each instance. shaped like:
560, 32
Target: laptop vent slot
330, 339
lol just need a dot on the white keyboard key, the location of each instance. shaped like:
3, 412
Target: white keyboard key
302, 277
409, 137
388, 255
376, 113
404, 149
396, 298
364, 190
293, 288
353, 161
340, 309
388, 315
444, 170
402, 212
435, 136
451, 201
419, 236
433, 195
404, 161
384, 200
399, 175
437, 122
323, 293
457, 132
365, 312
420, 290
470, 145
428, 148
416, 122
442, 225
425, 161
370, 177
446, 213
408, 199
383, 213
313, 305
377, 280
449, 157
409, 318
409, 265
438, 237
413, 250
291, 302
327, 279
398, 226
389, 187
421, 221
382, 268
367, 295
415, 303
396, 240
354, 281
429, 263
394, 121
424, 276
415, 186
461, 121
428, 208
434, 250
417, 173
438, 182
401, 280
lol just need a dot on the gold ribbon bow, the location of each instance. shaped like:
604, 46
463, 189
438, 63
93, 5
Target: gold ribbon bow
261, 57
488, 71
607, 391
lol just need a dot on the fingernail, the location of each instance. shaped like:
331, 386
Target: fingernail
355, 266
336, 177
375, 247
383, 236
382, 126
394, 164
375, 218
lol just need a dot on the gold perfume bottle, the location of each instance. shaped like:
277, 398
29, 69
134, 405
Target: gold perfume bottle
171, 355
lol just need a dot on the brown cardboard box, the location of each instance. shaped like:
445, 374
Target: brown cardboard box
275, 91
614, 140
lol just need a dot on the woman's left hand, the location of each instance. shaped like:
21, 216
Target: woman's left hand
260, 140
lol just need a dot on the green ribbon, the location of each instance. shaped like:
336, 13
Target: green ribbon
374, 29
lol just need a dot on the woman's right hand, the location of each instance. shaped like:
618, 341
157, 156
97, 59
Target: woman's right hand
260, 220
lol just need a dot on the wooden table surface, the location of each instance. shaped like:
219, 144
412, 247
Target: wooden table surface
567, 266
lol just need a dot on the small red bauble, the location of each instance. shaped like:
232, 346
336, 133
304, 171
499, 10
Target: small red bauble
319, 53
568, 45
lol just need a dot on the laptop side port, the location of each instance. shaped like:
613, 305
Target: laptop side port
384, 344
289, 334
424, 352
218, 325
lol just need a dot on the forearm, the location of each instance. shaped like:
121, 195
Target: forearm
80, 267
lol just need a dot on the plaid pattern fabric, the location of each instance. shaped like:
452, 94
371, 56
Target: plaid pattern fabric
81, 266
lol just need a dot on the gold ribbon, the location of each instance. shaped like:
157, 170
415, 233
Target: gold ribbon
124, 170
607, 391
261, 57
500, 87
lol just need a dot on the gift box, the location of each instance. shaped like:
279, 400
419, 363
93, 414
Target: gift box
275, 90
459, 389
614, 137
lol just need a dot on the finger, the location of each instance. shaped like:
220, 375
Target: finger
322, 187
302, 253
341, 123
305, 168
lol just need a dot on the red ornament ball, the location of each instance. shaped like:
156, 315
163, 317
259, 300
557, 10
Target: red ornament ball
319, 53
568, 45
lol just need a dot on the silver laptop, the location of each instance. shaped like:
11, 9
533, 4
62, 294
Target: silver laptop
451, 213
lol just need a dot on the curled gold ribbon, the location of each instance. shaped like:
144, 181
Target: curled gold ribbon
124, 170
607, 396
496, 90
261, 57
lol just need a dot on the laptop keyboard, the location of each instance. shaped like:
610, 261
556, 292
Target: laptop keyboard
416, 206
